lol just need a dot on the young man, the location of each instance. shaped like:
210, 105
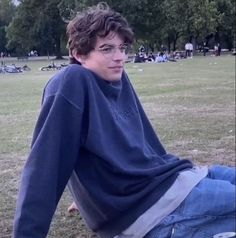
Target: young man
92, 131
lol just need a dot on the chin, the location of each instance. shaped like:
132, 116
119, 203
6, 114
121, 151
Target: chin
116, 77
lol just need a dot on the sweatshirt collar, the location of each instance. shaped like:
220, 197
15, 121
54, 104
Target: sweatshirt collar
109, 88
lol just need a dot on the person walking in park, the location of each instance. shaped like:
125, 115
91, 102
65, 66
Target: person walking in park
93, 134
205, 48
187, 50
219, 49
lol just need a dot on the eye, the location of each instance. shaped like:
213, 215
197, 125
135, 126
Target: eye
106, 50
123, 48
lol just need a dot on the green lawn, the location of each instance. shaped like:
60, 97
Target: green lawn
191, 104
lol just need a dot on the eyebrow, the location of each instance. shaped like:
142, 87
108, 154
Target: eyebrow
109, 45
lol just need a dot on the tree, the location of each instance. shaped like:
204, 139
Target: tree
201, 19
41, 24
189, 20
19, 31
226, 29
144, 16
51, 24
37, 24
69, 8
7, 10
173, 23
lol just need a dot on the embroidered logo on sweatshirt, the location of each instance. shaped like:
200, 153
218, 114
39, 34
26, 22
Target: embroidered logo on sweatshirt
125, 114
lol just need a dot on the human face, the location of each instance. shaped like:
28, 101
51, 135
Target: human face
108, 57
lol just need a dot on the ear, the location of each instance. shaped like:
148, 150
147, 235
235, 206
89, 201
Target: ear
78, 57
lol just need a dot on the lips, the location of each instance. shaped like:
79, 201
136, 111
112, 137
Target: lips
116, 70
116, 67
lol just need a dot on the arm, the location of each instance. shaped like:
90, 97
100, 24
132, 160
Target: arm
51, 161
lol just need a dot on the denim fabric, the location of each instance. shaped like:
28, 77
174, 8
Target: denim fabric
209, 209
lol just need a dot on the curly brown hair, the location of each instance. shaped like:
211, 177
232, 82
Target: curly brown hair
95, 22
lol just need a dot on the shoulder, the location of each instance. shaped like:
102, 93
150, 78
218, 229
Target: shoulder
72, 75
74, 70
71, 83
71, 78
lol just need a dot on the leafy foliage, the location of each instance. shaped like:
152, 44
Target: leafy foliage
7, 10
37, 24
41, 24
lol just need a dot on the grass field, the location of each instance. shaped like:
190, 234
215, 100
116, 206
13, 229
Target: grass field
191, 104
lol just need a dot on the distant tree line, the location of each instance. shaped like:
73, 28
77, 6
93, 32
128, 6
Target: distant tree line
40, 24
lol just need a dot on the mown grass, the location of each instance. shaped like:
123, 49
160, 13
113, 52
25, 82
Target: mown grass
191, 104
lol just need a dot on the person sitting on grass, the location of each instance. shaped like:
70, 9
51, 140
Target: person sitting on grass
93, 134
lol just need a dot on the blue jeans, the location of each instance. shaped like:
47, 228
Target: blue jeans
209, 209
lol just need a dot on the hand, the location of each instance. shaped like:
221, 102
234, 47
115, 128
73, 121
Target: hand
73, 208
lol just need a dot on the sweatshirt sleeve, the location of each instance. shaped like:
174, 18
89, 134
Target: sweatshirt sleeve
54, 153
